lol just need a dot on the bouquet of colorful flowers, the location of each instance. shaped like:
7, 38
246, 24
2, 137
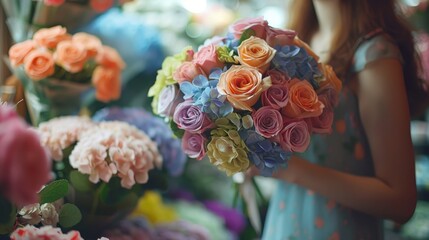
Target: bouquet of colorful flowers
56, 68
253, 97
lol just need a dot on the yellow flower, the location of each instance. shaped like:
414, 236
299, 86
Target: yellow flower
153, 209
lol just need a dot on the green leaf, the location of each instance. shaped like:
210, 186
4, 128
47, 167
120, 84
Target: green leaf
80, 181
176, 131
246, 34
54, 191
70, 215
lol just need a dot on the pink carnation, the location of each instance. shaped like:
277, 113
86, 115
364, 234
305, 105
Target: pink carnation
60, 133
24, 163
115, 148
45, 232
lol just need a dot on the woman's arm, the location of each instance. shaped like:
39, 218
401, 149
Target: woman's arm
384, 114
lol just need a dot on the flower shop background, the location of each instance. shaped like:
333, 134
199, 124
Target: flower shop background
201, 198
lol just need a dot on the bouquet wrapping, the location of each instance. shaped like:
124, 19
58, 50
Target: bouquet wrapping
253, 97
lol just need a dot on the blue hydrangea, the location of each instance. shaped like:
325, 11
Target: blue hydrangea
205, 95
174, 159
266, 155
296, 63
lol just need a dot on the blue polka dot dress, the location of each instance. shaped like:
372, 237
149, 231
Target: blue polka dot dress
298, 213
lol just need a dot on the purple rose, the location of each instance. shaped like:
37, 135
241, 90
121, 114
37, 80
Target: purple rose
268, 121
190, 118
276, 96
193, 145
169, 97
279, 37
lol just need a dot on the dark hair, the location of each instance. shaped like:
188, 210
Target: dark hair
360, 18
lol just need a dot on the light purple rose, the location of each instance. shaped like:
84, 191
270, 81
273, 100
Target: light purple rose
278, 77
276, 96
207, 58
294, 137
169, 97
187, 71
257, 24
279, 37
193, 145
190, 118
268, 121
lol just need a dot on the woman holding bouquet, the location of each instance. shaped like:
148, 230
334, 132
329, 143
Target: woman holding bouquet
363, 172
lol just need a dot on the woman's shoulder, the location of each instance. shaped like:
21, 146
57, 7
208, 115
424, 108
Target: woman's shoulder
381, 46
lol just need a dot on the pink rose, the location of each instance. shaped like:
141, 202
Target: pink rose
39, 65
50, 37
187, 71
323, 123
193, 145
53, 2
207, 58
24, 164
256, 24
276, 96
169, 97
277, 77
19, 51
279, 37
268, 121
71, 56
110, 58
294, 137
107, 83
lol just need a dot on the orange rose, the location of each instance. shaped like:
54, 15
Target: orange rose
109, 57
107, 83
255, 52
91, 43
71, 56
331, 78
39, 65
242, 85
50, 37
19, 51
303, 100
298, 42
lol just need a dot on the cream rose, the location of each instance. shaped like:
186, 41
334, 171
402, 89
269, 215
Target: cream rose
255, 52
242, 85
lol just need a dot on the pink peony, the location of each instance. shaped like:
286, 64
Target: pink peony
207, 58
294, 137
258, 25
193, 145
60, 133
268, 121
24, 163
115, 148
45, 232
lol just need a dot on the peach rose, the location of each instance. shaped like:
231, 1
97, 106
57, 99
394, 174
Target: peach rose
298, 42
71, 56
50, 37
207, 58
331, 78
242, 85
255, 52
19, 51
109, 57
39, 65
303, 100
187, 71
107, 83
91, 43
